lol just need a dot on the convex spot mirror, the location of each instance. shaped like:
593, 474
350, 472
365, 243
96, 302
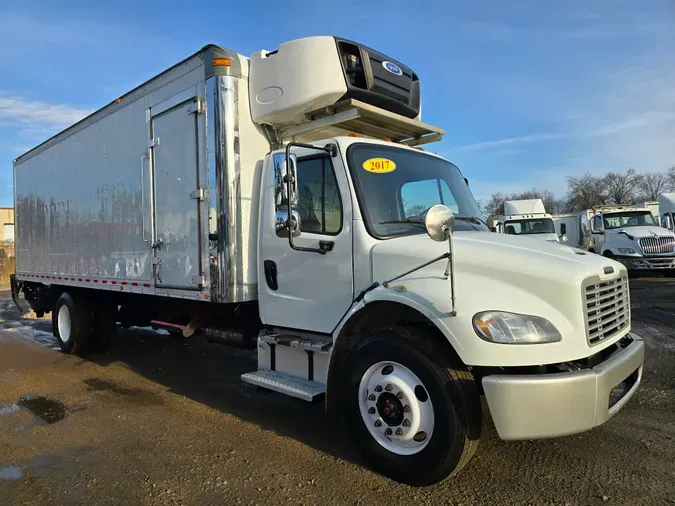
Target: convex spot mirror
439, 222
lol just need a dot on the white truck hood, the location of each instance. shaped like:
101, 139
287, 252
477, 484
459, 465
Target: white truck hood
489, 252
642, 231
496, 272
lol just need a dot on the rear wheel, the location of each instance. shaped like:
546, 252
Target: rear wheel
71, 320
415, 417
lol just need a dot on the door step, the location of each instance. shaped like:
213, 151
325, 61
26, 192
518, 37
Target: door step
307, 390
309, 342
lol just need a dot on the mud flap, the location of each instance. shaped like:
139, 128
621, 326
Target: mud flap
16, 287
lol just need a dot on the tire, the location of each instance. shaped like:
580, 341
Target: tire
450, 389
71, 320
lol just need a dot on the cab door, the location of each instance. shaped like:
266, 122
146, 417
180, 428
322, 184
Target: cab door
598, 231
307, 290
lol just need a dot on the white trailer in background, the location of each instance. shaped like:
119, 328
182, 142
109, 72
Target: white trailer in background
281, 203
527, 218
653, 206
568, 225
667, 210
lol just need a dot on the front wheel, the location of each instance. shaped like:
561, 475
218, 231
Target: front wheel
415, 417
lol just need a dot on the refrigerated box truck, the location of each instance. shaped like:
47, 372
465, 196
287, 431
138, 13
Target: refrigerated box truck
282, 203
529, 218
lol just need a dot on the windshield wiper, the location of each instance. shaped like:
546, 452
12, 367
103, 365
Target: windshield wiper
471, 219
402, 222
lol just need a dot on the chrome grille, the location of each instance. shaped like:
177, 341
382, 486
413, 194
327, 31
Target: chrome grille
657, 245
607, 308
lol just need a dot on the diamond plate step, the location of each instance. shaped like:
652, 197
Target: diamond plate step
306, 390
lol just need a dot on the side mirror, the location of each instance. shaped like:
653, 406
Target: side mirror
282, 198
439, 222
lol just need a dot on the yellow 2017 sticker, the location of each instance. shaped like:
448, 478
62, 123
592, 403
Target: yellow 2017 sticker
379, 165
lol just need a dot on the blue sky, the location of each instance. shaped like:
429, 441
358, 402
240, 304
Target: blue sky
527, 91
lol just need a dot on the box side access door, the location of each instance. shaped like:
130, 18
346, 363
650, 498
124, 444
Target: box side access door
177, 194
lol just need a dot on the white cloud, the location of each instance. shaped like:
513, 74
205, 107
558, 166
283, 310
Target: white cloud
33, 113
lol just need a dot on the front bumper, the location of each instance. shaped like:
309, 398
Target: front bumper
647, 263
533, 406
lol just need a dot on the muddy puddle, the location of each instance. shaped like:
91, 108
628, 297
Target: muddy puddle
48, 410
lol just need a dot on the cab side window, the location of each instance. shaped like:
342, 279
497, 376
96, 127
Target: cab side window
319, 202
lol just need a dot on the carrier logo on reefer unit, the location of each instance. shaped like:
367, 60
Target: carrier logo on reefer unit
392, 67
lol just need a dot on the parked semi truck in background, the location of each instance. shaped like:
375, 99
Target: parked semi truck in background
629, 235
528, 218
252, 201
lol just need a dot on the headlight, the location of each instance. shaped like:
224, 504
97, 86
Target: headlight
512, 328
627, 251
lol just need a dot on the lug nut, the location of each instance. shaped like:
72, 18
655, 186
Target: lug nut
378, 388
371, 397
406, 423
371, 411
406, 409
399, 395
399, 432
389, 388
378, 423
387, 432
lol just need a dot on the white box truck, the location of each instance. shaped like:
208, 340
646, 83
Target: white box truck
629, 235
527, 218
667, 210
255, 202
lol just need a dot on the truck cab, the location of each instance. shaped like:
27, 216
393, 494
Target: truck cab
631, 236
528, 218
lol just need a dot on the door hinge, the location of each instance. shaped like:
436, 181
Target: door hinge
153, 142
196, 107
200, 194
198, 280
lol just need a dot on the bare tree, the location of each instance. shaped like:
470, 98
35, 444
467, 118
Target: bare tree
621, 186
671, 178
586, 191
653, 184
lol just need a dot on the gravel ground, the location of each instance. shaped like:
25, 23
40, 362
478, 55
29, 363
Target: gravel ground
163, 421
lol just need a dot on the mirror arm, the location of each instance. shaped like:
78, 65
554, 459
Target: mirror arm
449, 271
441, 257
331, 150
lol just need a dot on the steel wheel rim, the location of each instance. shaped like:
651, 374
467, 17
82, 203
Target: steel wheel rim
385, 388
64, 323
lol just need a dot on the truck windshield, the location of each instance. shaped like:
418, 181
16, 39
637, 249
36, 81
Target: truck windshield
629, 219
396, 187
530, 226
